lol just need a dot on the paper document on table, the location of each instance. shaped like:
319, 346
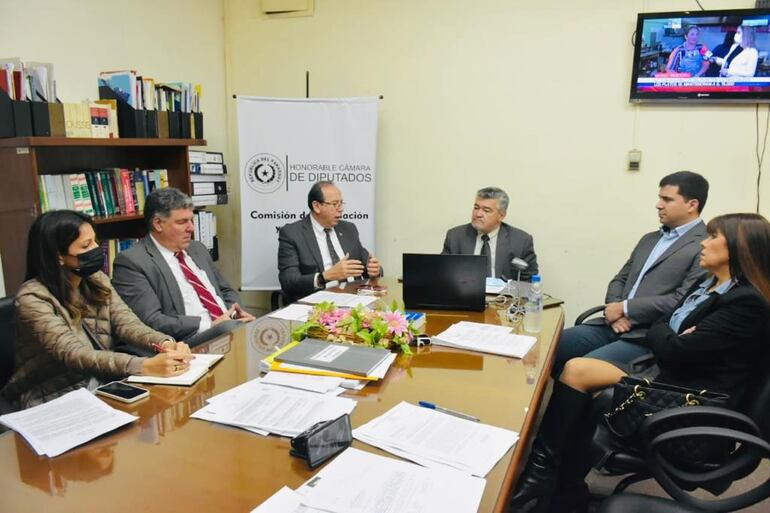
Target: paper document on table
198, 367
338, 298
485, 338
433, 438
361, 482
284, 500
66, 422
494, 285
317, 384
293, 312
279, 410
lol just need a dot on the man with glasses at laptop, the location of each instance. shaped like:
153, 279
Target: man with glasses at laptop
488, 235
321, 250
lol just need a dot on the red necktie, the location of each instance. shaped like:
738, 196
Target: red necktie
207, 299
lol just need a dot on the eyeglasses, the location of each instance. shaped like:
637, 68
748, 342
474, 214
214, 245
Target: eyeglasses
334, 204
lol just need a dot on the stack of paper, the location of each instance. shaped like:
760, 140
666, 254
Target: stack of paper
494, 285
361, 482
293, 312
317, 384
338, 298
198, 367
66, 422
485, 338
267, 409
436, 439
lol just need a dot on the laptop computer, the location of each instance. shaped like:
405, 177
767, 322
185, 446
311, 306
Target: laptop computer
444, 282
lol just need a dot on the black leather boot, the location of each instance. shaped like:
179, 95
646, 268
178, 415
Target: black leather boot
566, 408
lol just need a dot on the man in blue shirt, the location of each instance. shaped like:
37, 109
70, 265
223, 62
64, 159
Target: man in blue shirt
662, 268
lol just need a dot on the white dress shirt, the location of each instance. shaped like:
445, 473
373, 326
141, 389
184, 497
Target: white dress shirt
492, 246
320, 237
192, 303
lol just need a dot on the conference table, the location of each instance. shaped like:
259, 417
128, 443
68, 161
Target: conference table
168, 462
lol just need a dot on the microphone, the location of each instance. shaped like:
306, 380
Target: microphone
705, 53
520, 265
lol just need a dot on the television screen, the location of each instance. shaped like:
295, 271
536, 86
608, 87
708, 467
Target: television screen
702, 55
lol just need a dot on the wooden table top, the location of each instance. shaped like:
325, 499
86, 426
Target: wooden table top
169, 462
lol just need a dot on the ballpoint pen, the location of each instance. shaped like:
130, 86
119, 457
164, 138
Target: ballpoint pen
432, 406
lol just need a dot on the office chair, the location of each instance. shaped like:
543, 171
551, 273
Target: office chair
675, 480
278, 300
7, 349
751, 417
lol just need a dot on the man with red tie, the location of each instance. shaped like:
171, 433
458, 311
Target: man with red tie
168, 279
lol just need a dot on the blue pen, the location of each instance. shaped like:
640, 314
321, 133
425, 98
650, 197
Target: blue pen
432, 406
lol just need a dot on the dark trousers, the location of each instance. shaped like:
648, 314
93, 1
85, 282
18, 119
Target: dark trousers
594, 341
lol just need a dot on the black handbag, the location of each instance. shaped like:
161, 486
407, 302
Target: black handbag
636, 399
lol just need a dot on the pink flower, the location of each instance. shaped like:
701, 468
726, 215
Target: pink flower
396, 322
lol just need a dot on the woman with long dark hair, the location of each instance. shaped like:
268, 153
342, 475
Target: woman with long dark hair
714, 340
68, 316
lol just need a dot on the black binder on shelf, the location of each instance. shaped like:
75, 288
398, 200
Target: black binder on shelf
131, 122
198, 122
41, 120
175, 125
15, 117
152, 123
7, 126
185, 132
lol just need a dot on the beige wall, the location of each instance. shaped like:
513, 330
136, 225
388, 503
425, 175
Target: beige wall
529, 96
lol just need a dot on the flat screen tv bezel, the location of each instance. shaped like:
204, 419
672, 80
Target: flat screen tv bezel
691, 97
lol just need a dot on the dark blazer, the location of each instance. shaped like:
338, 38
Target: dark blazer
145, 282
665, 282
511, 243
299, 258
730, 341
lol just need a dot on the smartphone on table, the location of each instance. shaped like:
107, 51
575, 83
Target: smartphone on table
122, 392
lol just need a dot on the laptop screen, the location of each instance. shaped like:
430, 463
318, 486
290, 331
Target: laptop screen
444, 282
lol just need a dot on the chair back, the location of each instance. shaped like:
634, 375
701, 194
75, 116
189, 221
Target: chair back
756, 401
7, 339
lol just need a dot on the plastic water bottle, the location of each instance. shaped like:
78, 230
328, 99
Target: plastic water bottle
533, 308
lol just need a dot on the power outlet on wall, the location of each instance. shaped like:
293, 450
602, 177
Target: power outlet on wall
634, 160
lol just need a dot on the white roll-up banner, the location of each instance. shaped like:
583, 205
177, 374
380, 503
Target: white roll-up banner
285, 146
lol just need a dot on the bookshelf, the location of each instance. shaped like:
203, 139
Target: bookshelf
24, 159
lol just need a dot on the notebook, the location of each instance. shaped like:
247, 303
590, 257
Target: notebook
198, 367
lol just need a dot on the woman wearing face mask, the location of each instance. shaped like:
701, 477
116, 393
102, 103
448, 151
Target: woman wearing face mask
741, 60
68, 317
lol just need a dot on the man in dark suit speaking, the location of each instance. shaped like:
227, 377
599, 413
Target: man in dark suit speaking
321, 249
168, 279
661, 269
488, 235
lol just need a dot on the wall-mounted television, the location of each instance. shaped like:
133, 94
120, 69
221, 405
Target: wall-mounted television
702, 56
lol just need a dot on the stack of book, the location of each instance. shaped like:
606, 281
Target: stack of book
208, 176
142, 92
111, 248
107, 192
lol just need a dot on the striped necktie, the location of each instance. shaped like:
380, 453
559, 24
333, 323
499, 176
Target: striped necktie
207, 299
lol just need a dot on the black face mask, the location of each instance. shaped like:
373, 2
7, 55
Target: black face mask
89, 262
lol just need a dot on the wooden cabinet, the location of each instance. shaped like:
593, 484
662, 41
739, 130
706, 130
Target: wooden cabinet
24, 159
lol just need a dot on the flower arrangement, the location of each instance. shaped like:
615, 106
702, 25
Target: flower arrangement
386, 329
